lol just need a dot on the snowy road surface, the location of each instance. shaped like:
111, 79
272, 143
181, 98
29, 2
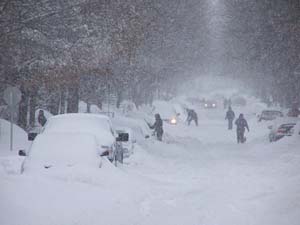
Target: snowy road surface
198, 176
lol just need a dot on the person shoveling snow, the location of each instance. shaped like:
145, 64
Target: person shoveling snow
157, 127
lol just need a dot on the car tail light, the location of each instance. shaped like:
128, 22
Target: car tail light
281, 131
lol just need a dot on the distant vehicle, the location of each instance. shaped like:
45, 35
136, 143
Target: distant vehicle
172, 120
63, 132
282, 127
210, 104
269, 115
167, 112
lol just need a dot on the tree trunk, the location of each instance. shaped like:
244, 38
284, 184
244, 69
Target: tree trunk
119, 99
32, 107
54, 104
73, 99
23, 108
88, 107
62, 100
99, 104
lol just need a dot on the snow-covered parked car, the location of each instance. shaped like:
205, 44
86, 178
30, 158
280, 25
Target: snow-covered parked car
282, 127
269, 115
76, 134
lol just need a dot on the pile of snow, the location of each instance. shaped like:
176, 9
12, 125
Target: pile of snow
11, 164
19, 142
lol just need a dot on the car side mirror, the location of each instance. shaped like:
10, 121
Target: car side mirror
22, 153
147, 136
123, 137
32, 136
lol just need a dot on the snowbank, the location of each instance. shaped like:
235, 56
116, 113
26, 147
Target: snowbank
20, 138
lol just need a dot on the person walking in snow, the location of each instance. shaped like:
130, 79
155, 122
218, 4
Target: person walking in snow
41, 118
230, 117
241, 125
192, 115
158, 127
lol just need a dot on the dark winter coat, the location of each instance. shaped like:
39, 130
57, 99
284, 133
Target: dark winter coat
241, 124
42, 119
158, 126
192, 115
230, 115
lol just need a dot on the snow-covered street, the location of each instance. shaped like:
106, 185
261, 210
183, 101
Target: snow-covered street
142, 112
198, 175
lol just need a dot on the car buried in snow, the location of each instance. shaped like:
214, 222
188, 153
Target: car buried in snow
268, 115
70, 139
282, 127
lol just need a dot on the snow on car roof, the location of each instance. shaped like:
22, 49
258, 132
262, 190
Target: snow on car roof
270, 110
83, 115
80, 122
98, 125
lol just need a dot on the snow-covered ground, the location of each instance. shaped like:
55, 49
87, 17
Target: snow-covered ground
197, 176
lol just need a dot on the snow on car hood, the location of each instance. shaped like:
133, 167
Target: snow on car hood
63, 150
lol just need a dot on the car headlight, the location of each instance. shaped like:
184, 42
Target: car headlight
205, 104
213, 105
173, 121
